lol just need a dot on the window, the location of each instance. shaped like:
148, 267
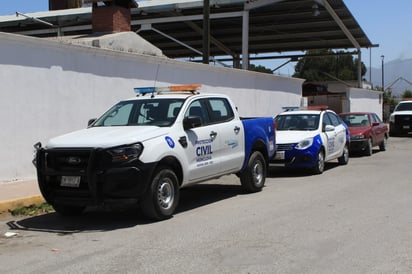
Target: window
198, 108
156, 112
376, 119
356, 120
326, 121
297, 122
118, 116
334, 119
221, 110
404, 106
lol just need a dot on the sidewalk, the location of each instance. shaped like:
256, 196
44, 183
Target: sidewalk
17, 194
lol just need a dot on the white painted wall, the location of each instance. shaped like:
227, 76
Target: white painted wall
365, 100
49, 88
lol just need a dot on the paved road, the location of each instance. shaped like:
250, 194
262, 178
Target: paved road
351, 219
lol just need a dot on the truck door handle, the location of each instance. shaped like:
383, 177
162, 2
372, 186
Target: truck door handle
236, 129
213, 134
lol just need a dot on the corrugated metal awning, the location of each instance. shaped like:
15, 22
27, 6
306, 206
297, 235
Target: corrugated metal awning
275, 26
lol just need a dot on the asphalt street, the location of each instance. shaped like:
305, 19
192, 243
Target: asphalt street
350, 219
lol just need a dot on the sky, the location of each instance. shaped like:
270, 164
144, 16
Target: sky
386, 23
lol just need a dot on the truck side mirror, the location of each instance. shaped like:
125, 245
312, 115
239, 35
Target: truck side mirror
191, 122
90, 122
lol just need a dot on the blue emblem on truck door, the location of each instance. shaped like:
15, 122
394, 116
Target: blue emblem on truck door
170, 142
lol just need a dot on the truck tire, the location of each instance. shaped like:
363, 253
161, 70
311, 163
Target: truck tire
254, 176
162, 196
67, 210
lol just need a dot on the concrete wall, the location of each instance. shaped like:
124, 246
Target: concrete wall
49, 88
365, 100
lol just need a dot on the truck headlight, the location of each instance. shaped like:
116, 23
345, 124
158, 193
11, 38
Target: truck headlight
392, 119
305, 143
126, 153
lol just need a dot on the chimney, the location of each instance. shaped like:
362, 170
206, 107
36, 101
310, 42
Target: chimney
111, 15
64, 4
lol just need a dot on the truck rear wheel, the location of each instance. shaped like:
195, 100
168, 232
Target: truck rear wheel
254, 176
161, 198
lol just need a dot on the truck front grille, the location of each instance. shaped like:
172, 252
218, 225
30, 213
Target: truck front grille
403, 120
67, 162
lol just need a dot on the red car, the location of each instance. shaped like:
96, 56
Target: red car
366, 131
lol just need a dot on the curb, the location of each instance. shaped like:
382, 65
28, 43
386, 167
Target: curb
9, 205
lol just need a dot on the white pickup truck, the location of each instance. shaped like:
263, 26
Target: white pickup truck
144, 149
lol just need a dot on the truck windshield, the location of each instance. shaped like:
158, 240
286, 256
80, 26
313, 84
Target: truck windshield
297, 122
155, 112
404, 107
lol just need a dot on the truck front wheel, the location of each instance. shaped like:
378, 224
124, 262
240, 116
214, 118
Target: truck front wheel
162, 196
254, 176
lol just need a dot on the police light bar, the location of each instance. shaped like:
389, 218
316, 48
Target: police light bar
145, 90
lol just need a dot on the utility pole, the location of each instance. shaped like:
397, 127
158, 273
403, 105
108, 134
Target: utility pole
206, 31
383, 73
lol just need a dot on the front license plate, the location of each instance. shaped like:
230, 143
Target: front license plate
406, 127
280, 155
70, 181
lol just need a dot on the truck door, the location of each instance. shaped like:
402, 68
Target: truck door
230, 133
202, 143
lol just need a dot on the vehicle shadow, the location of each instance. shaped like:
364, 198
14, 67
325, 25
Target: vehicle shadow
288, 172
360, 154
107, 219
205, 194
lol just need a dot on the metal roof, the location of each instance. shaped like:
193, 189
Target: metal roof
274, 26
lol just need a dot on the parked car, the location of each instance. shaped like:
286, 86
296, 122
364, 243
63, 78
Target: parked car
144, 149
309, 138
366, 131
400, 121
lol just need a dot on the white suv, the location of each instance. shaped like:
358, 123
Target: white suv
400, 121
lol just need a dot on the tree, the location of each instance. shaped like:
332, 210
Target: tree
318, 63
260, 68
407, 94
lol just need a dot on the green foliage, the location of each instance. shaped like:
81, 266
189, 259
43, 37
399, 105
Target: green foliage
260, 68
407, 94
387, 98
316, 63
32, 210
